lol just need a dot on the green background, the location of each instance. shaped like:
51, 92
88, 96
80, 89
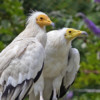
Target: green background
13, 14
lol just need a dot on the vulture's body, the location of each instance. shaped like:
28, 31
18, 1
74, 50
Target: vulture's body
57, 50
21, 62
61, 63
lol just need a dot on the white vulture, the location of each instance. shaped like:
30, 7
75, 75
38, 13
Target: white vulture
21, 62
61, 63
72, 69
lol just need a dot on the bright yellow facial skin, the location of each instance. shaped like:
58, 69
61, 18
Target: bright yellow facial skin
43, 20
72, 33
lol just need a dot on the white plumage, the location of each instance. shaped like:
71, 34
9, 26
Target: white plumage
73, 67
59, 62
57, 50
21, 62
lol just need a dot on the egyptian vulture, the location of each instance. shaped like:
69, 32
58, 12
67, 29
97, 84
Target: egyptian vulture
69, 77
21, 62
61, 63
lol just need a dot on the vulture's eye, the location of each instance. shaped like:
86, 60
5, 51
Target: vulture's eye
41, 18
70, 31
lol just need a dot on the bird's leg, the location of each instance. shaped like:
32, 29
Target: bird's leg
54, 94
41, 96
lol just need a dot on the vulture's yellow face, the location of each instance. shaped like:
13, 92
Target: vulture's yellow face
73, 33
43, 20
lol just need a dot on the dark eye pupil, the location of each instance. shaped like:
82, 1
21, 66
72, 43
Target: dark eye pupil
41, 18
69, 31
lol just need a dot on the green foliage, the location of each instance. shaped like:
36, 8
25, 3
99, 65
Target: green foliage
54, 5
63, 13
12, 21
90, 65
87, 96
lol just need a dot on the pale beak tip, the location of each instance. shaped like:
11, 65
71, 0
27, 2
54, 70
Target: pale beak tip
84, 33
53, 25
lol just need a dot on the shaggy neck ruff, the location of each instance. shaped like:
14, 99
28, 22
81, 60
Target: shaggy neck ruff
34, 30
37, 32
57, 43
57, 39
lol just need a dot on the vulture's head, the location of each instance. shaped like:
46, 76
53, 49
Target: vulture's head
59, 37
71, 33
39, 18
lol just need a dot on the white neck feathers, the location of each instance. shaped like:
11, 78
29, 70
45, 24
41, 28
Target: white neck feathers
34, 30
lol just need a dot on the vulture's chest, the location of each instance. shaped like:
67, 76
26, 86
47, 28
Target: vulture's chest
55, 63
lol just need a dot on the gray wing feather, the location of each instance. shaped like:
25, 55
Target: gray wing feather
12, 51
73, 67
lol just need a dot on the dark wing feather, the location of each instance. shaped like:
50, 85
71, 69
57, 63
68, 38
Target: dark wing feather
39, 73
12, 90
69, 78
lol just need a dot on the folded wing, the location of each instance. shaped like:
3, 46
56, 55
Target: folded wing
73, 67
20, 67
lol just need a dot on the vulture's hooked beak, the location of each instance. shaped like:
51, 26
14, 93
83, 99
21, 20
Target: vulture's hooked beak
80, 33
